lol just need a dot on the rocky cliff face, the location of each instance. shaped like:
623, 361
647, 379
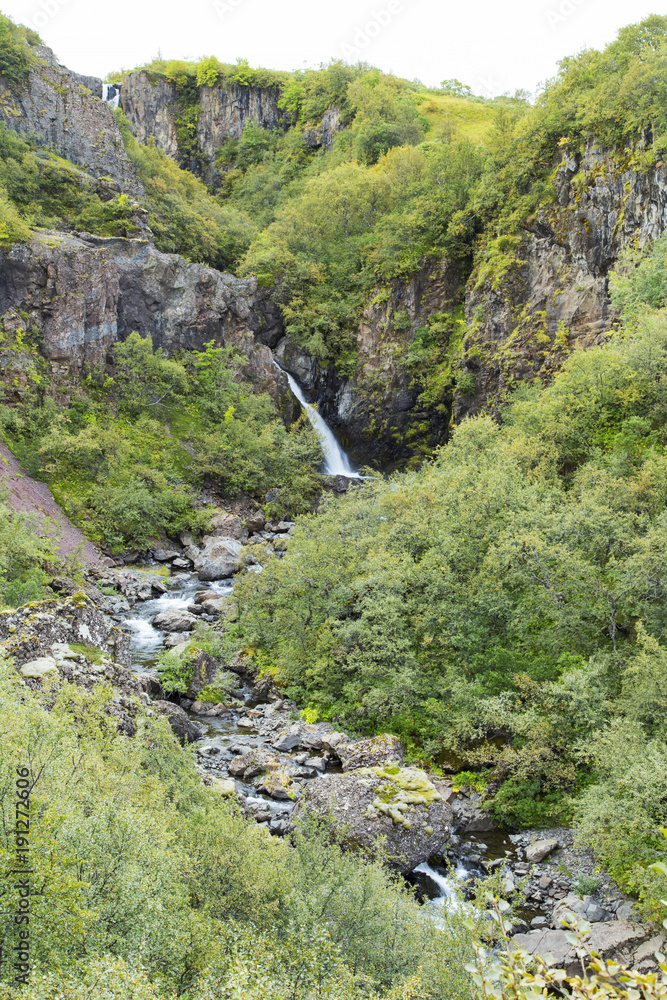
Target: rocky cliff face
154, 109
530, 300
379, 414
84, 294
56, 108
549, 292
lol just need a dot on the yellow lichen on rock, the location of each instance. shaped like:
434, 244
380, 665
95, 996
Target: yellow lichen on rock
404, 789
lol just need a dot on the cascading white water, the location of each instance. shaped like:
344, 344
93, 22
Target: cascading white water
336, 462
111, 94
448, 887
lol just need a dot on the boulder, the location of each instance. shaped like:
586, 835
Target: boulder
331, 740
553, 944
617, 940
240, 663
212, 606
40, 667
218, 559
71, 641
165, 555
255, 522
224, 786
178, 641
278, 785
377, 751
403, 806
627, 911
287, 742
574, 907
182, 563
540, 850
64, 586
183, 727
200, 707
175, 620
29, 632
150, 683
649, 948
469, 816
616, 936
250, 765
263, 689
205, 668
226, 526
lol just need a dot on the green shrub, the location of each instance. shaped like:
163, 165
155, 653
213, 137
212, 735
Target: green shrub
522, 803
122, 479
153, 886
24, 557
12, 227
176, 671
224, 684
471, 779
16, 55
504, 604
586, 885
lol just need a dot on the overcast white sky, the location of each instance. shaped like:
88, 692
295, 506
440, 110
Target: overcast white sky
493, 46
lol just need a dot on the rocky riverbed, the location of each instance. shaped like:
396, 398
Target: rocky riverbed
258, 751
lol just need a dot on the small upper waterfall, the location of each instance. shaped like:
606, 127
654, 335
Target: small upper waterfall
336, 462
111, 94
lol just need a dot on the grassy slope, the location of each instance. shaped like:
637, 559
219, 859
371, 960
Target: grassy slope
469, 119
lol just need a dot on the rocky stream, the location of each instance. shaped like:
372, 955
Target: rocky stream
257, 749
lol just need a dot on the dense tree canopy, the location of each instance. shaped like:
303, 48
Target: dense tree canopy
506, 603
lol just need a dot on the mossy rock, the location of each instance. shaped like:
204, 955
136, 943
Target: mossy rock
403, 808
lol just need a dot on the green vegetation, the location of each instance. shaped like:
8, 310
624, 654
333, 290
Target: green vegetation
184, 217
505, 604
177, 668
502, 608
126, 457
41, 189
24, 557
208, 72
325, 226
418, 173
153, 886
16, 55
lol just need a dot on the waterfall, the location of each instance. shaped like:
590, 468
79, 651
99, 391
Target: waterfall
447, 889
111, 94
336, 462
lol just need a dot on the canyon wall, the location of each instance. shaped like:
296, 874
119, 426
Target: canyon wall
531, 299
549, 292
56, 109
81, 295
154, 107
379, 413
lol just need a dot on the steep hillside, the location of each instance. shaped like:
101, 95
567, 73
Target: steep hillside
523, 208
470, 642
56, 107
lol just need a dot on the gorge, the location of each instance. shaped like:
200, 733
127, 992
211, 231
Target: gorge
333, 542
